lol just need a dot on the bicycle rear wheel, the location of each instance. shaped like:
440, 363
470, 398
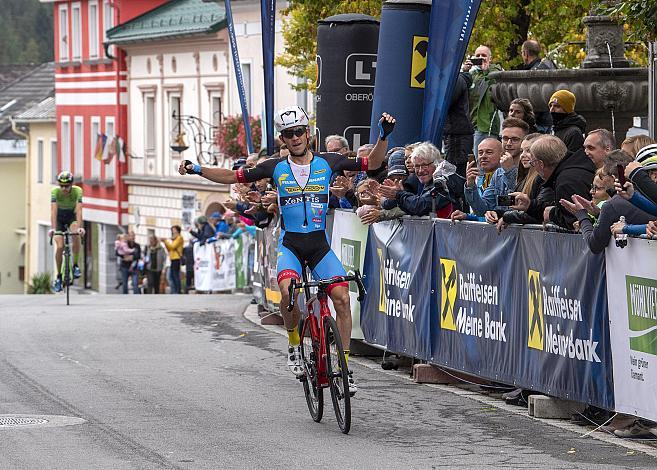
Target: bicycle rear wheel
338, 374
309, 357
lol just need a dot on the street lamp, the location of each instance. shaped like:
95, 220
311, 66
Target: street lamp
178, 135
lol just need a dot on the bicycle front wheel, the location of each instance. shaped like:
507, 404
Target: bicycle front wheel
309, 359
338, 374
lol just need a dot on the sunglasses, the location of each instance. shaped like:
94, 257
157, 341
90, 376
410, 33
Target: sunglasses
64, 186
294, 132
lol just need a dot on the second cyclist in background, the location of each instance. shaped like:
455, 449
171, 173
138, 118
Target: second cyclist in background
66, 212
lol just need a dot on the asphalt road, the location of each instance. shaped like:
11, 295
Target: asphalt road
187, 382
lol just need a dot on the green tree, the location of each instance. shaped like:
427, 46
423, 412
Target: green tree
26, 31
300, 33
503, 25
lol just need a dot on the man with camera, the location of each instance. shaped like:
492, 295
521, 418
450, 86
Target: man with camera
504, 179
483, 111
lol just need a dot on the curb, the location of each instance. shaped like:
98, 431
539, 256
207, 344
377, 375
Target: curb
251, 314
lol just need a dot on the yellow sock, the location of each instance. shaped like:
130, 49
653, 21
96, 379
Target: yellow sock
293, 336
346, 356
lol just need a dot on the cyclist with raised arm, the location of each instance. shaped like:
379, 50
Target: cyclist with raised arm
302, 182
66, 212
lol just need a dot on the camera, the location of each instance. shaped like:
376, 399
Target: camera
506, 200
477, 60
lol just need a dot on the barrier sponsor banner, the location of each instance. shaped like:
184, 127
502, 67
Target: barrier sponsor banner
525, 308
207, 260
225, 277
476, 328
214, 266
567, 351
632, 287
348, 242
397, 268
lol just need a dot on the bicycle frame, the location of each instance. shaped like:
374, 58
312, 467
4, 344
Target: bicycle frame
316, 325
317, 332
67, 267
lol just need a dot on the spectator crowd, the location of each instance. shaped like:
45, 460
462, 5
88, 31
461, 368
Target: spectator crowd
502, 167
497, 166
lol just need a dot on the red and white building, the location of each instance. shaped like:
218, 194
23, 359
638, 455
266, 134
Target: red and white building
91, 98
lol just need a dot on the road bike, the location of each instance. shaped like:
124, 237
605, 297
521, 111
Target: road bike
67, 265
322, 354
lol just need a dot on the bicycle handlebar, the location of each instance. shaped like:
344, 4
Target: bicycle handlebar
323, 284
58, 232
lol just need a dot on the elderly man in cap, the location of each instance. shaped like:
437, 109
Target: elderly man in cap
566, 123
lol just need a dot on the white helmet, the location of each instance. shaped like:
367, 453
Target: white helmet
292, 116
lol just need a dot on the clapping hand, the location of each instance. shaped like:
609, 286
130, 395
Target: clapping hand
270, 197
340, 186
253, 197
371, 216
389, 189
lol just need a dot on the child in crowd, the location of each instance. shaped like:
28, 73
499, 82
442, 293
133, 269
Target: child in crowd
121, 245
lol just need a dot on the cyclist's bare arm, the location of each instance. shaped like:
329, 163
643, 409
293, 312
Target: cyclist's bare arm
53, 215
218, 175
78, 214
378, 154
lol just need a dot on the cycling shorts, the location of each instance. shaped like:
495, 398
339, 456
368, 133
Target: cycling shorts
295, 249
65, 217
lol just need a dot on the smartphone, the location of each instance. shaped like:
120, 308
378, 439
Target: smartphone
621, 174
477, 60
471, 158
506, 200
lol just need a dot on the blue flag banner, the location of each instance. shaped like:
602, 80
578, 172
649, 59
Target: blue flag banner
268, 22
238, 75
449, 33
397, 304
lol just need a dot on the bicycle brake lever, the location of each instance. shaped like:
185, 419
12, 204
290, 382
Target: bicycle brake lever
361, 288
290, 291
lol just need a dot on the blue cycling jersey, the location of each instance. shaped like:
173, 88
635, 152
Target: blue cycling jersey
303, 209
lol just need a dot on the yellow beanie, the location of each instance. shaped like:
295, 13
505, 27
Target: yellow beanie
565, 99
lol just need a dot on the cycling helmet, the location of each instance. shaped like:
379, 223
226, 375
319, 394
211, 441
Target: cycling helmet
65, 177
292, 116
647, 156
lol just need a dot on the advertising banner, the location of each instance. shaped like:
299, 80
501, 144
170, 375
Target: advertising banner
206, 261
563, 299
348, 242
449, 33
632, 288
397, 267
224, 276
477, 326
524, 308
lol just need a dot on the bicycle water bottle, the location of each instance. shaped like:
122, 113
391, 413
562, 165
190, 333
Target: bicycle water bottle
621, 238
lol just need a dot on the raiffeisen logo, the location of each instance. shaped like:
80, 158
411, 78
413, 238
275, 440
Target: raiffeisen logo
642, 313
469, 305
549, 306
448, 289
536, 331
